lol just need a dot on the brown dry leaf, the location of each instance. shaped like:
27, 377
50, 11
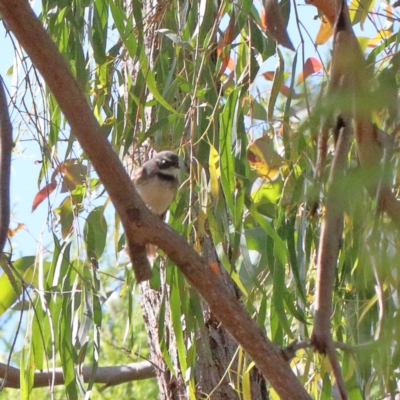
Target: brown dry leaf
225, 40
272, 21
327, 7
13, 232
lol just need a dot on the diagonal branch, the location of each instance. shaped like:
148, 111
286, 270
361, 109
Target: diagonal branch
141, 226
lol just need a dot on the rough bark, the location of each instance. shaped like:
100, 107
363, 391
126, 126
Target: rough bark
211, 372
216, 347
170, 387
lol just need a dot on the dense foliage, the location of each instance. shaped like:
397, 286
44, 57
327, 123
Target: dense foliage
247, 133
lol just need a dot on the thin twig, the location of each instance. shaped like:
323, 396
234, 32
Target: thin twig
6, 145
337, 371
289, 352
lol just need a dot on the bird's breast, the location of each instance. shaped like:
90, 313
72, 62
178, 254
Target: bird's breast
158, 193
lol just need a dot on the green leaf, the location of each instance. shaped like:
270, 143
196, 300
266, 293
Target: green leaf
27, 371
60, 264
163, 339
395, 38
293, 257
227, 168
68, 355
151, 81
95, 233
360, 9
262, 312
276, 84
99, 29
66, 216
267, 192
279, 245
326, 391
55, 125
278, 290
55, 306
176, 314
125, 31
161, 124
22, 268
289, 302
38, 344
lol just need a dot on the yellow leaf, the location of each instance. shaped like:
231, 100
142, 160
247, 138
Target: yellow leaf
363, 42
214, 171
381, 35
264, 159
324, 33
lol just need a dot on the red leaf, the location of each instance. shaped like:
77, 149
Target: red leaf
285, 90
72, 173
271, 20
43, 194
225, 40
311, 66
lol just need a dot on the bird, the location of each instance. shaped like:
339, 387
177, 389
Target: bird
157, 181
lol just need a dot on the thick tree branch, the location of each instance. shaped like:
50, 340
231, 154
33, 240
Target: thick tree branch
141, 226
6, 145
329, 245
110, 376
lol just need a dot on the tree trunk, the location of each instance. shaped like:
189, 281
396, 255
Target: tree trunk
216, 366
